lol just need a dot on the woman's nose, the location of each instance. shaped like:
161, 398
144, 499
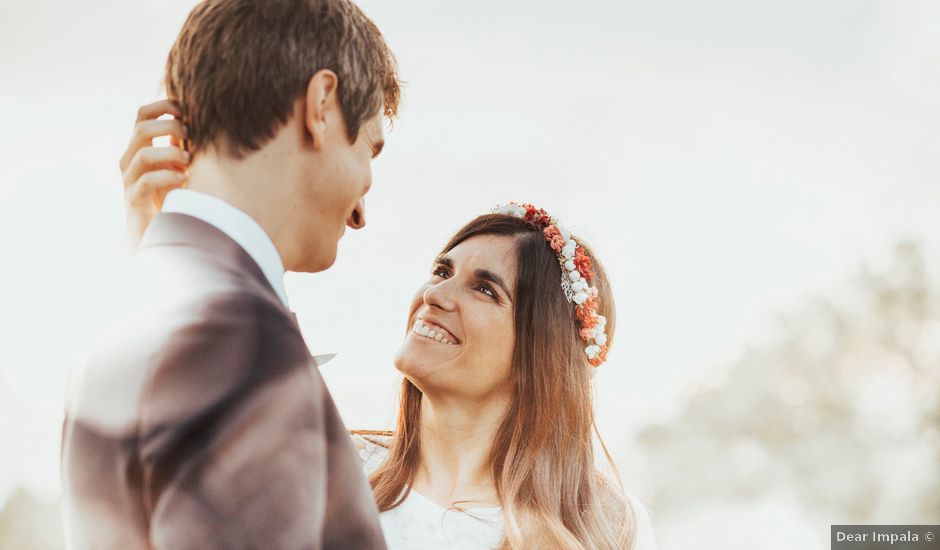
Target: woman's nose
440, 295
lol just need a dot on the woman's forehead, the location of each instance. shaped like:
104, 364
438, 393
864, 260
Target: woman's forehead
496, 253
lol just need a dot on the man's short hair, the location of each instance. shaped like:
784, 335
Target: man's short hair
238, 67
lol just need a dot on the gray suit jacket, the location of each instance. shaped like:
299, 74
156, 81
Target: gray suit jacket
202, 421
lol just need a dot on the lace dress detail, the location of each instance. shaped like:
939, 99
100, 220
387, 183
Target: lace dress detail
418, 523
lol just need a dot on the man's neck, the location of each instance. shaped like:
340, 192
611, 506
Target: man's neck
237, 183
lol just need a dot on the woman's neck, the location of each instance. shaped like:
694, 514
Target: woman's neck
456, 439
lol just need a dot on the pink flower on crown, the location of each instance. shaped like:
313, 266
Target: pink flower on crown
601, 357
554, 238
587, 334
583, 262
537, 216
586, 313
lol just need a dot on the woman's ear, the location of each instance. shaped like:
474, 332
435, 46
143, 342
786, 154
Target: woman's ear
320, 103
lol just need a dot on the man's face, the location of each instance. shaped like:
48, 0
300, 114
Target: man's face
334, 196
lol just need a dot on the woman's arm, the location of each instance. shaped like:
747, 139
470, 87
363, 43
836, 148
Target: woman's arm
371, 446
149, 172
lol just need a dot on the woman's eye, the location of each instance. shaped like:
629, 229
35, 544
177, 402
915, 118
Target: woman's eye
444, 273
485, 289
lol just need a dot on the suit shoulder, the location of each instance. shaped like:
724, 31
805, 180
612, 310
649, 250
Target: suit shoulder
232, 347
200, 346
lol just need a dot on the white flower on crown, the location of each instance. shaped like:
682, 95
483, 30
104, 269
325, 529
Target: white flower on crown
515, 210
592, 351
510, 210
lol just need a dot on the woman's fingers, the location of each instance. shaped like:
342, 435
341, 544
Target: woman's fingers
145, 132
154, 158
154, 184
158, 109
150, 172
150, 113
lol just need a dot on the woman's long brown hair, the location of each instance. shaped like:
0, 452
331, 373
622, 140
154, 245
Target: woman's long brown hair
542, 459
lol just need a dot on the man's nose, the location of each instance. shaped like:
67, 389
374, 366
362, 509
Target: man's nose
357, 220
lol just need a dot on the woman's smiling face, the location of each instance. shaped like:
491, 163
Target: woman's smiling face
460, 331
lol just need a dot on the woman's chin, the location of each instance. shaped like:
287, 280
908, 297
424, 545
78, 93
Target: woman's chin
416, 359
408, 362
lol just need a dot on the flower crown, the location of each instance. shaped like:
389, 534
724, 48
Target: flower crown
576, 276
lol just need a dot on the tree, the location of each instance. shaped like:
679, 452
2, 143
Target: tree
27, 523
834, 419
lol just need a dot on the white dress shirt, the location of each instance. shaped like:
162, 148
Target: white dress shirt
239, 226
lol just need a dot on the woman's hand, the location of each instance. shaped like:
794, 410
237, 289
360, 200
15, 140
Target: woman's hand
151, 172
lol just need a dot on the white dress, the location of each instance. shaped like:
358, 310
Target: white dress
419, 523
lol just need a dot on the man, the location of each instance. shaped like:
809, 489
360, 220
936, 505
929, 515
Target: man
203, 423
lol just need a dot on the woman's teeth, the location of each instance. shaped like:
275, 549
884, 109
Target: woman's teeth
436, 333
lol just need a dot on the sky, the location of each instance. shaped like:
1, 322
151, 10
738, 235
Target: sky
725, 159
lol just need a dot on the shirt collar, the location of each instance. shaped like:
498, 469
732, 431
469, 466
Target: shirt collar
239, 226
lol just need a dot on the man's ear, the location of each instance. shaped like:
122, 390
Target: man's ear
321, 104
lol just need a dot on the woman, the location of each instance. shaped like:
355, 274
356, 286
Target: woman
494, 445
